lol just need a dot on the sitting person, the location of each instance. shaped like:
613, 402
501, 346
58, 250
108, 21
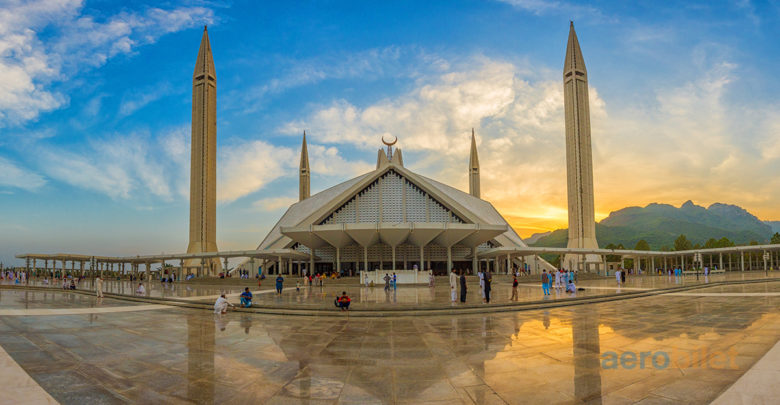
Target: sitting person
343, 301
246, 298
221, 306
140, 290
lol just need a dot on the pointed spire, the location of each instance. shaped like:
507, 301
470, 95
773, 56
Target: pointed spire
304, 154
574, 60
474, 167
205, 63
304, 173
474, 158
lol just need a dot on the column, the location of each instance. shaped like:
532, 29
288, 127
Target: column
148, 272
474, 261
508, 264
449, 259
764, 257
181, 270
338, 260
311, 260
392, 250
226, 266
365, 259
652, 264
279, 265
604, 259
742, 257
422, 258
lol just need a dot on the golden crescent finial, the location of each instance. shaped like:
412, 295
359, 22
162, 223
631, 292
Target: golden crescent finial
389, 143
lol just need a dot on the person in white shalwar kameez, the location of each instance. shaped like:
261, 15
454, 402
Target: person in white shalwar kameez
99, 287
221, 306
453, 285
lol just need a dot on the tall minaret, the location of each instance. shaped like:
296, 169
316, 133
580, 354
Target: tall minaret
203, 170
579, 162
304, 173
473, 167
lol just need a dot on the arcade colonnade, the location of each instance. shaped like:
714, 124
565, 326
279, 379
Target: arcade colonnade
497, 260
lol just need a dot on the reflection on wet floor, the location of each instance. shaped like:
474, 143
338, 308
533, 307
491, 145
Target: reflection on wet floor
543, 356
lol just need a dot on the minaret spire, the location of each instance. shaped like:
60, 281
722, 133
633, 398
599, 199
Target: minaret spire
304, 173
474, 167
579, 160
203, 169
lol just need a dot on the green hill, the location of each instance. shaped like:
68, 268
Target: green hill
660, 224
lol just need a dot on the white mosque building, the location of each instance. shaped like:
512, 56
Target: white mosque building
392, 220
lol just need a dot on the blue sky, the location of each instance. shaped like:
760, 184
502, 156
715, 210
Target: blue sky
95, 108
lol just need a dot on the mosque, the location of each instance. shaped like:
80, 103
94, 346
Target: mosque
390, 219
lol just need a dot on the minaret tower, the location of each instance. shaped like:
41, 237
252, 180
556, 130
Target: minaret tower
304, 173
473, 167
579, 161
203, 170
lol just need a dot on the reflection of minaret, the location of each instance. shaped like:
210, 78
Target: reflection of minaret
203, 169
200, 359
587, 366
473, 168
579, 162
304, 173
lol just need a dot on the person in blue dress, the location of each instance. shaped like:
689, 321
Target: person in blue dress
246, 298
279, 284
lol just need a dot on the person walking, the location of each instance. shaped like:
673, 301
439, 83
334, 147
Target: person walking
514, 288
463, 288
453, 285
279, 284
387, 282
99, 286
545, 282
488, 281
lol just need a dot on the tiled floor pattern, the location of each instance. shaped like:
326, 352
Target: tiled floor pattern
177, 355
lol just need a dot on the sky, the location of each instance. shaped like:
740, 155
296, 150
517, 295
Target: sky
95, 109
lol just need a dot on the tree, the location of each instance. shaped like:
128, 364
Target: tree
711, 243
682, 243
642, 245
724, 242
776, 238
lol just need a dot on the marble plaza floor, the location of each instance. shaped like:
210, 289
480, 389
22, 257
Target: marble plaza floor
685, 347
405, 296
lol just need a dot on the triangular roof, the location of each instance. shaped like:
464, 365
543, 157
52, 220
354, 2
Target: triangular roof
315, 209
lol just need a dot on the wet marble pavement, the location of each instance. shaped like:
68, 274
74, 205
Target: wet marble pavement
667, 349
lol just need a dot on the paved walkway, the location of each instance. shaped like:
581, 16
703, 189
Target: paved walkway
175, 355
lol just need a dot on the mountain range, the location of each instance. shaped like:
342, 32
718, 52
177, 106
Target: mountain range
661, 224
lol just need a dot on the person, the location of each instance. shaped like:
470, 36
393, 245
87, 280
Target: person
571, 288
221, 306
99, 286
463, 288
481, 276
514, 288
387, 282
298, 286
545, 282
140, 290
617, 276
64, 283
246, 298
623, 276
453, 285
279, 284
431, 279
343, 301
395, 281
488, 281
72, 284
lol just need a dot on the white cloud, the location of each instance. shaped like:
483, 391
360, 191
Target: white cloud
249, 166
12, 175
274, 203
139, 98
122, 166
73, 41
